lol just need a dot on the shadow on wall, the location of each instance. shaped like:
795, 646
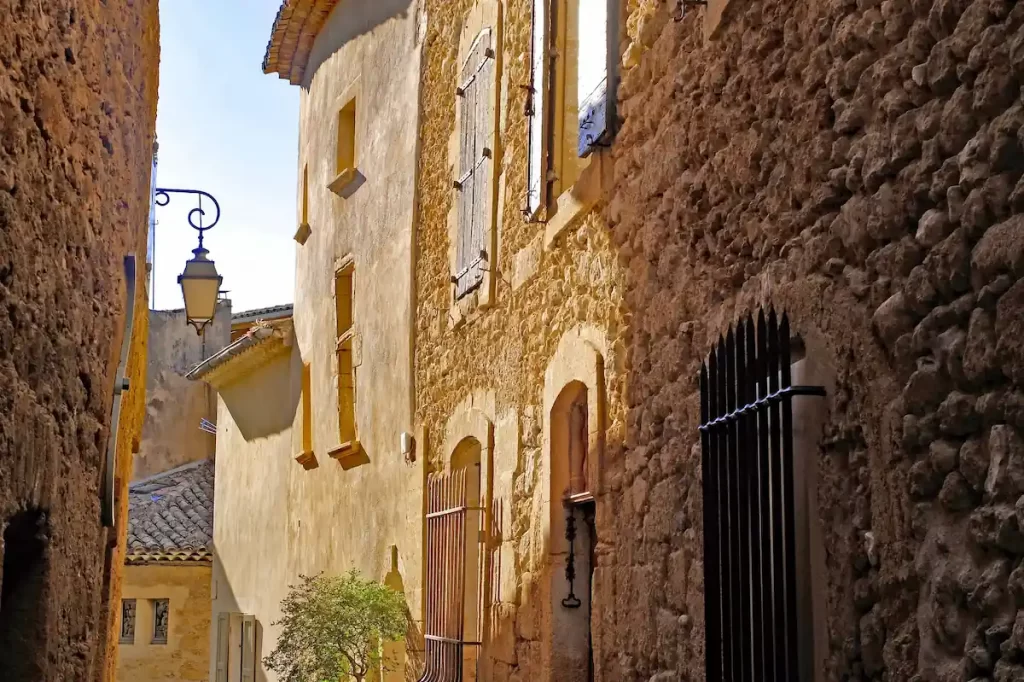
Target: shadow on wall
410, 650
349, 20
265, 402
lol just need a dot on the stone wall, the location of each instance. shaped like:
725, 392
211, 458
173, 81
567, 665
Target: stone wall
175, 405
78, 88
856, 163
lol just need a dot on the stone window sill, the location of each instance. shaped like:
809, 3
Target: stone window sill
342, 181
302, 234
349, 455
575, 202
307, 459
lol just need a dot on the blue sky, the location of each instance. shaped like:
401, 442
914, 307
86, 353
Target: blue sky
225, 127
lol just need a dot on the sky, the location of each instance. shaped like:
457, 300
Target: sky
227, 128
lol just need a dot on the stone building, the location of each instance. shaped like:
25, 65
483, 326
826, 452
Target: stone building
78, 90
647, 239
165, 600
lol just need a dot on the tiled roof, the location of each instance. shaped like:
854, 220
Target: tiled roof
272, 312
170, 515
296, 26
263, 342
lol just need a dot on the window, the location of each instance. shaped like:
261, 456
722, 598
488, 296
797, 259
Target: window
306, 456
348, 452
345, 155
571, 97
757, 609
302, 234
475, 164
238, 647
127, 621
161, 620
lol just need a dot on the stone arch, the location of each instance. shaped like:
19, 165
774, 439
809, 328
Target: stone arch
468, 445
570, 480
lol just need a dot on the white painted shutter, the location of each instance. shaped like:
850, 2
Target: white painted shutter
594, 88
476, 157
223, 646
537, 112
248, 649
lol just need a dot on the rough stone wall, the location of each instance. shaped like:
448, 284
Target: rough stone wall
497, 359
175, 405
78, 88
858, 164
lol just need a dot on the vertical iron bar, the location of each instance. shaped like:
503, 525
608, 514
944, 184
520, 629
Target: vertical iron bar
764, 498
788, 499
778, 515
712, 598
742, 479
735, 515
753, 493
725, 521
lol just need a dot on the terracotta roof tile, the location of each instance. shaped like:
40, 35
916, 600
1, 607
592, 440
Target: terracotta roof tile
171, 514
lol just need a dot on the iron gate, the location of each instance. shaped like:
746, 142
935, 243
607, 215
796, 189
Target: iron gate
447, 534
747, 474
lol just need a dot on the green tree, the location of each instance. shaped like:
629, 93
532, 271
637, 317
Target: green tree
333, 626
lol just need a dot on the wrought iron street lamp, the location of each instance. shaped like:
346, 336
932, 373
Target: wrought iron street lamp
200, 283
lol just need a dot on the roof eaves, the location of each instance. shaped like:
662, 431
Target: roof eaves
260, 344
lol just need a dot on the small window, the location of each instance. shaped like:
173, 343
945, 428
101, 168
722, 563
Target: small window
161, 620
345, 346
307, 409
345, 155
127, 621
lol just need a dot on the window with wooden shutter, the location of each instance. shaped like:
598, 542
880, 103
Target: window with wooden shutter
348, 453
248, 649
475, 164
537, 111
596, 37
223, 646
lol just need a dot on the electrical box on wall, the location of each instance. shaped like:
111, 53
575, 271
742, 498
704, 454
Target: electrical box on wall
408, 447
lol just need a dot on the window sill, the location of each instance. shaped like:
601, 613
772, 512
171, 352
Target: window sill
575, 202
307, 459
342, 181
349, 455
302, 234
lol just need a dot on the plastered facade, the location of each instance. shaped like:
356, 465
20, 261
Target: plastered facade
185, 655
174, 405
78, 90
274, 516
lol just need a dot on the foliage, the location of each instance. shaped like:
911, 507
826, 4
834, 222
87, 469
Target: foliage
333, 626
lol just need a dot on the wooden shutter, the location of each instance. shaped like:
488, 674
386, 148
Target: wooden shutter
248, 649
595, 90
223, 646
538, 102
476, 124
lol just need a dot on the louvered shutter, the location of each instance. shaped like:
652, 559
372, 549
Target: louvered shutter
594, 84
223, 646
537, 112
248, 649
476, 125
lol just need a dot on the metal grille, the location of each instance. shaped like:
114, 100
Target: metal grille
447, 507
747, 473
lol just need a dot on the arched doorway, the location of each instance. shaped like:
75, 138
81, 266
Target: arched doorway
466, 457
573, 537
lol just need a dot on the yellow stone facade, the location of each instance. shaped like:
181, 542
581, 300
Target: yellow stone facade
185, 655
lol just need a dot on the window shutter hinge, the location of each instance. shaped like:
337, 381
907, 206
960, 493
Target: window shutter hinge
487, 153
489, 52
